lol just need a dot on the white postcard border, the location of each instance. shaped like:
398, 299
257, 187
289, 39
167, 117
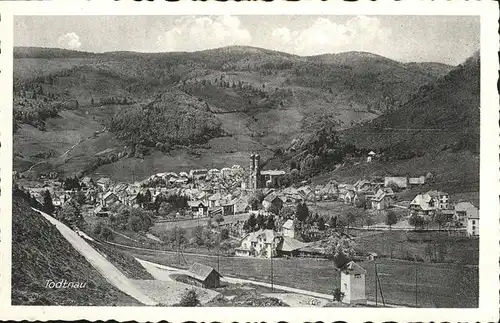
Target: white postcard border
489, 182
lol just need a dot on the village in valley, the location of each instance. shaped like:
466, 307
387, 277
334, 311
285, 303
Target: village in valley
244, 211
241, 161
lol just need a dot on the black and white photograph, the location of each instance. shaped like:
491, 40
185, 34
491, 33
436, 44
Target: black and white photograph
308, 161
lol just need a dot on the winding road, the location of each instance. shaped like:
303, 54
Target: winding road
101, 264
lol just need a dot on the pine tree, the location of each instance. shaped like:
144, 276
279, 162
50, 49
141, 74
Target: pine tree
48, 206
252, 222
147, 197
302, 212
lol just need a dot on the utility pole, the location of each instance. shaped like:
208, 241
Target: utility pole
179, 247
272, 278
218, 253
381, 294
376, 287
416, 284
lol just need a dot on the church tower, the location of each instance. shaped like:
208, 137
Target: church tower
254, 179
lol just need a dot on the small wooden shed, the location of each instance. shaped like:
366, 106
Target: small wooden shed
205, 276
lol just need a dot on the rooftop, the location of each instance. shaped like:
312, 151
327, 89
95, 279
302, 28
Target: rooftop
353, 268
200, 271
274, 172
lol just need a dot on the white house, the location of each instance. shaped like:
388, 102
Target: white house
371, 155
104, 183
288, 229
262, 243
349, 197
423, 205
473, 222
272, 200
382, 200
463, 210
240, 205
198, 208
353, 283
109, 199
441, 199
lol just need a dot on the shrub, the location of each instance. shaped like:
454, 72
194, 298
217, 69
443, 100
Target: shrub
224, 234
338, 295
134, 223
189, 299
102, 231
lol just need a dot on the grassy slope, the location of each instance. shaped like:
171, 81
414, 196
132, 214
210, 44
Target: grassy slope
40, 253
440, 285
62, 134
450, 104
123, 261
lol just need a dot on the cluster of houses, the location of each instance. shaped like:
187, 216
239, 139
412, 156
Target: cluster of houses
463, 214
226, 191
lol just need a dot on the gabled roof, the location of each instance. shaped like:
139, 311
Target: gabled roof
120, 187
464, 206
361, 183
268, 191
379, 196
305, 188
288, 224
195, 203
387, 190
353, 268
435, 193
273, 172
349, 187
104, 180
215, 197
417, 180
421, 199
289, 190
269, 234
201, 272
271, 197
290, 244
108, 194
350, 193
473, 213
319, 187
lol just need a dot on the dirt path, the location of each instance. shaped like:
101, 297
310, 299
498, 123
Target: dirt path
101, 264
165, 289
83, 140
234, 280
40, 162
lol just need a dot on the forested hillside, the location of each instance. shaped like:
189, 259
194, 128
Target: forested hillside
436, 131
162, 102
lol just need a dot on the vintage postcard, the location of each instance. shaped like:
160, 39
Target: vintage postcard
257, 161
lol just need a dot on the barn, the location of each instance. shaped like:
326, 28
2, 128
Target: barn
204, 276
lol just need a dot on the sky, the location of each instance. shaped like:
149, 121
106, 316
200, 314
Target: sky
445, 39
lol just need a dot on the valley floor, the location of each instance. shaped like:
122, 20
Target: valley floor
439, 285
